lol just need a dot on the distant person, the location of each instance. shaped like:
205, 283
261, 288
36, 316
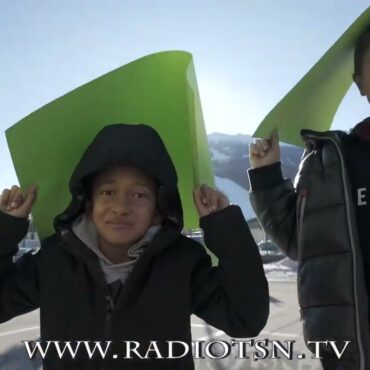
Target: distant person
118, 268
324, 222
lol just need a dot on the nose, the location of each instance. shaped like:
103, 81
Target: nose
122, 205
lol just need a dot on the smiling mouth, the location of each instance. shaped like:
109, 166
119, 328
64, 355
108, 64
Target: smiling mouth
120, 225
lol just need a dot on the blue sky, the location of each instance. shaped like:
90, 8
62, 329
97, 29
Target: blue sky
248, 54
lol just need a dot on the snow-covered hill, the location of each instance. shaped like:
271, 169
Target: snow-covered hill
216, 137
237, 195
230, 157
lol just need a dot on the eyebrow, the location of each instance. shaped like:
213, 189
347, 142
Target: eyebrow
105, 182
112, 181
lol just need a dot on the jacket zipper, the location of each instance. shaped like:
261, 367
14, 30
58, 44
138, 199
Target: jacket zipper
107, 324
301, 205
346, 195
108, 316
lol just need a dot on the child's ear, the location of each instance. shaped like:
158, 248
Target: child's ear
358, 81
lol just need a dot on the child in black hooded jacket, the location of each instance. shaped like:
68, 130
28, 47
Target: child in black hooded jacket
118, 268
323, 222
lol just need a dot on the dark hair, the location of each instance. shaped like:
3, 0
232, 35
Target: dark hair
362, 44
87, 184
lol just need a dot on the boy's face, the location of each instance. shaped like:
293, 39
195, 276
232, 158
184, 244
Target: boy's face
362, 80
123, 205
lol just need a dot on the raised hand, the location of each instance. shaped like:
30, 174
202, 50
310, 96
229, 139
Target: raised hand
265, 151
208, 200
16, 203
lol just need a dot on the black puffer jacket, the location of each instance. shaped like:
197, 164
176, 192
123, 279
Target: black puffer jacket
171, 280
315, 224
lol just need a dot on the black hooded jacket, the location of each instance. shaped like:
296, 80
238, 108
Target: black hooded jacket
172, 279
323, 221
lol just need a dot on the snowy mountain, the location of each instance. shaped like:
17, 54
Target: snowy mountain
236, 195
230, 157
217, 137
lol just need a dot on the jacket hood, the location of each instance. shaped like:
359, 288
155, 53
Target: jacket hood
312, 138
121, 145
362, 130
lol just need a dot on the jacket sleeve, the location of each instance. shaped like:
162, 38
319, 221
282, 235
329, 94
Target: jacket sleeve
18, 281
234, 295
274, 201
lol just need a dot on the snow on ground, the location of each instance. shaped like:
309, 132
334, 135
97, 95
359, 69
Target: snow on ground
281, 270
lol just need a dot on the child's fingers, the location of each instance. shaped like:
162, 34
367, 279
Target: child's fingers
209, 200
13, 197
206, 196
219, 201
5, 198
275, 138
258, 146
253, 150
258, 150
16, 202
17, 199
29, 198
206, 192
265, 144
214, 200
223, 201
197, 197
261, 151
198, 201
13, 191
